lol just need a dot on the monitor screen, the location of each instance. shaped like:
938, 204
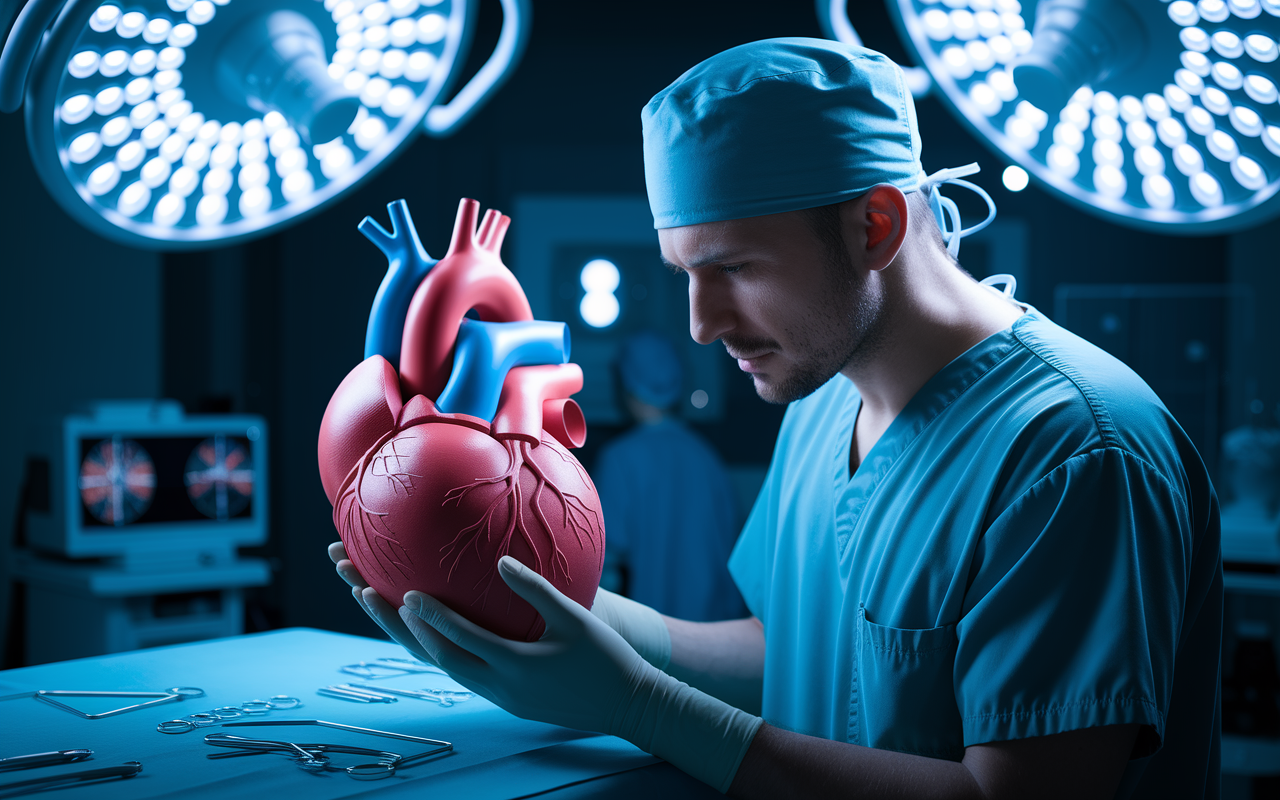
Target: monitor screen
137, 480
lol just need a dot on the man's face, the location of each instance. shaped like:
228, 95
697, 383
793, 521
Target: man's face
792, 312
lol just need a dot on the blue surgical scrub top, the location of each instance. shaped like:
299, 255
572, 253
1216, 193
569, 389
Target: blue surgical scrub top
1031, 547
670, 516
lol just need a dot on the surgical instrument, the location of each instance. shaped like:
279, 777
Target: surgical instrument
44, 759
444, 697
311, 757
353, 695
411, 665
440, 746
364, 689
126, 770
251, 708
167, 696
389, 668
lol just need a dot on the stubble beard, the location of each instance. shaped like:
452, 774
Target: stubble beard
848, 331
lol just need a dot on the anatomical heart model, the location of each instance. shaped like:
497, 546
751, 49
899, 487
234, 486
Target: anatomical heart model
448, 446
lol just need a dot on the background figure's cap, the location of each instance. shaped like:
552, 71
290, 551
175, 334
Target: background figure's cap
778, 125
650, 369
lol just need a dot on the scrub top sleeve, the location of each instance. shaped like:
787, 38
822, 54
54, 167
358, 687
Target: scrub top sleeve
1075, 605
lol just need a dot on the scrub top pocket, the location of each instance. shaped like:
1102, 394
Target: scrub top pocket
903, 693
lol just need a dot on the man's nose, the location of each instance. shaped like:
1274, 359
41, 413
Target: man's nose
710, 310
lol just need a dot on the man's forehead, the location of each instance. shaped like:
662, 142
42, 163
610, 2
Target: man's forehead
712, 243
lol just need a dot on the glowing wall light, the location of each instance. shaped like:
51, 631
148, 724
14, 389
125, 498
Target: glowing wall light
1015, 178
175, 124
1159, 115
599, 306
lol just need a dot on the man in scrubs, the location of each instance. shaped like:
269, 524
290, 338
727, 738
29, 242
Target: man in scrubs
985, 561
668, 503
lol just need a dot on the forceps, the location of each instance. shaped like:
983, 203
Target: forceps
312, 757
126, 770
44, 759
338, 726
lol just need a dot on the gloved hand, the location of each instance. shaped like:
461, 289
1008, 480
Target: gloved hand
379, 610
642, 627
582, 674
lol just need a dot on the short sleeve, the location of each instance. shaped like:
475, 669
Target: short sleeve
1075, 605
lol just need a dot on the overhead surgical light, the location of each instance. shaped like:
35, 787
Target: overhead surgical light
175, 124
1159, 115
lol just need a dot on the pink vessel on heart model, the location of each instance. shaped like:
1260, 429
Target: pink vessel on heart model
430, 500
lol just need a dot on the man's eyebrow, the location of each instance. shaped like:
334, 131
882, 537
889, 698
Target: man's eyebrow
675, 270
710, 259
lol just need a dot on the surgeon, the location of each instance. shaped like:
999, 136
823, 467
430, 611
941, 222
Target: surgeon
667, 500
985, 562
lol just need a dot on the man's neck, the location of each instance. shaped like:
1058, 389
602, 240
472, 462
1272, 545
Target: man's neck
935, 313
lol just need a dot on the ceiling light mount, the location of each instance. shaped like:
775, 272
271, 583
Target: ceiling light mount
1078, 43
275, 61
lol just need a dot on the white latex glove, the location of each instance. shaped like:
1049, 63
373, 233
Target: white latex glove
582, 674
379, 610
642, 627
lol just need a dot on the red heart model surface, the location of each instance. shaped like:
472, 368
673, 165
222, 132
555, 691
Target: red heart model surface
430, 501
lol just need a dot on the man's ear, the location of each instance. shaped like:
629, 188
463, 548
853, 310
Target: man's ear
882, 216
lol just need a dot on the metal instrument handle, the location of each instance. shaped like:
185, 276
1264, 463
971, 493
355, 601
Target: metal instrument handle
125, 770
33, 760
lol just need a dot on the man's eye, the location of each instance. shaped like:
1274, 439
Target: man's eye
729, 269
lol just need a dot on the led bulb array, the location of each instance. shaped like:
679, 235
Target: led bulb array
136, 144
1202, 145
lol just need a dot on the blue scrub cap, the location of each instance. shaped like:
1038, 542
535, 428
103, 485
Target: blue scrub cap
783, 125
778, 125
650, 369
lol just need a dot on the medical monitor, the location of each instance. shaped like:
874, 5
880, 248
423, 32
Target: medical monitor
139, 479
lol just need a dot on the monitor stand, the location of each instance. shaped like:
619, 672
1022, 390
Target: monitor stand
76, 609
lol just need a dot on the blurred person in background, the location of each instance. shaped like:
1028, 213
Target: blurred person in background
669, 508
